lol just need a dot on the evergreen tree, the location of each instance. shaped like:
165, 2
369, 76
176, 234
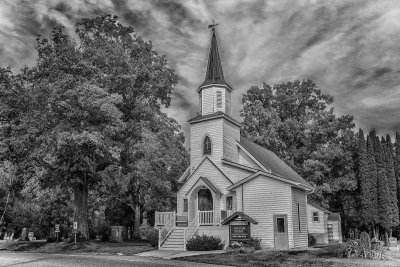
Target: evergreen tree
373, 182
391, 177
396, 159
384, 204
364, 183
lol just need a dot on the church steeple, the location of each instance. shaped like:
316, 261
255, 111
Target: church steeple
214, 92
214, 73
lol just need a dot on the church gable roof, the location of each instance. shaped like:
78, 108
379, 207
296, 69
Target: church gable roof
241, 215
272, 162
214, 73
208, 183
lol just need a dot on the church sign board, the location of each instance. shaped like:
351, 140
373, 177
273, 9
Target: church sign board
239, 226
239, 231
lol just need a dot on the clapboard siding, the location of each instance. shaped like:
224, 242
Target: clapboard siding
264, 197
244, 159
316, 227
299, 210
231, 137
234, 173
198, 131
239, 198
209, 100
208, 170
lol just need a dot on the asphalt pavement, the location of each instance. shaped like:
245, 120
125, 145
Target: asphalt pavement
86, 260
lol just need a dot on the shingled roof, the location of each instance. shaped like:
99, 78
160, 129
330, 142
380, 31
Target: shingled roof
272, 162
214, 73
214, 115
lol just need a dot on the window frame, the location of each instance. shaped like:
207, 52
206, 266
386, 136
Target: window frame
185, 205
231, 197
204, 147
313, 216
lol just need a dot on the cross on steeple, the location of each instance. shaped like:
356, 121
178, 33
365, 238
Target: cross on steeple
212, 26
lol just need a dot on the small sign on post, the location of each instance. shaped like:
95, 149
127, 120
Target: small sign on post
57, 230
75, 229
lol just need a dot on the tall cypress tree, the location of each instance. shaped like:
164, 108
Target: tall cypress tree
384, 205
391, 178
396, 164
364, 183
373, 183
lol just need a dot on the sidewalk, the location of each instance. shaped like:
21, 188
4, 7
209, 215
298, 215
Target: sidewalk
172, 254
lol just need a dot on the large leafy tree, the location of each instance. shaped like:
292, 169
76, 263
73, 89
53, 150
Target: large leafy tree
85, 104
295, 121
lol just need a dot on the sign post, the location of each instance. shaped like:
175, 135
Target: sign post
75, 229
57, 226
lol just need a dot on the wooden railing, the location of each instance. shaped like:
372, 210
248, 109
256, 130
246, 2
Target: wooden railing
161, 218
190, 230
164, 232
206, 217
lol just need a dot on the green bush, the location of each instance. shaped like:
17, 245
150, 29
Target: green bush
253, 242
311, 240
204, 243
152, 236
354, 250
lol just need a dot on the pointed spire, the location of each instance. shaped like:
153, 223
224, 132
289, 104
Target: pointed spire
214, 73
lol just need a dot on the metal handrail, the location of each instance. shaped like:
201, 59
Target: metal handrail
170, 223
196, 219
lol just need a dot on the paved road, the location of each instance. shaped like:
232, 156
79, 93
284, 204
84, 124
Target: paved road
86, 260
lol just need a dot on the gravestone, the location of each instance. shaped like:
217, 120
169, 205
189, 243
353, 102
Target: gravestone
116, 233
24, 234
393, 244
31, 236
365, 240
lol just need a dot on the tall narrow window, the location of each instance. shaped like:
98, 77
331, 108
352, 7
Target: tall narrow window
207, 146
219, 99
185, 205
298, 216
229, 203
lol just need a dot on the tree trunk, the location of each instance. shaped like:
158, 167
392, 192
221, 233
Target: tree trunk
136, 231
81, 208
5, 207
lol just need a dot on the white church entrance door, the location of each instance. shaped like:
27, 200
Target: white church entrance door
281, 232
205, 207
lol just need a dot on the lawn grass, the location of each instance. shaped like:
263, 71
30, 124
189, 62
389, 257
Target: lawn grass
125, 248
322, 257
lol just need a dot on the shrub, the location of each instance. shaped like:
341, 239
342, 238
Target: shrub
105, 231
51, 239
254, 242
311, 240
204, 243
354, 249
152, 236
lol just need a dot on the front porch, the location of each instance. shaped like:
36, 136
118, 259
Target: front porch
203, 217
174, 230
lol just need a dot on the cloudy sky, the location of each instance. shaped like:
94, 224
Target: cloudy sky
351, 49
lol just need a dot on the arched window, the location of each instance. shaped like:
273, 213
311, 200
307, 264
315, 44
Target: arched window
207, 146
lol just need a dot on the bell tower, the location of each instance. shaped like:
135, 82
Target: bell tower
214, 133
214, 92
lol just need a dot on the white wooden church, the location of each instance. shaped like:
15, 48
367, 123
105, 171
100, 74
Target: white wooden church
233, 187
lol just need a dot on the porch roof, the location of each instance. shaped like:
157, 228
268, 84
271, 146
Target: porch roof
242, 216
208, 183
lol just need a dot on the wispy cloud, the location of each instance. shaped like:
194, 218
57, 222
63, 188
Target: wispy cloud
349, 48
